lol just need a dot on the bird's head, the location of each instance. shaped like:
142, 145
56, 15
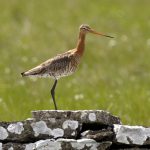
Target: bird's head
84, 28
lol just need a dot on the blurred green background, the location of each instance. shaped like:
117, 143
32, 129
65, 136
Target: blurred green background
114, 74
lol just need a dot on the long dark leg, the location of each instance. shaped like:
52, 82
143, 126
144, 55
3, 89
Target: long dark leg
53, 93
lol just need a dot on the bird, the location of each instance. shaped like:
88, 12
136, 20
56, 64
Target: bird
64, 64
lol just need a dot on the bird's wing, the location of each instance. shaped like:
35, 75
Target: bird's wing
57, 63
50, 66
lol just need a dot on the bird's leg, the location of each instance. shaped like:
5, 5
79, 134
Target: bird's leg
53, 93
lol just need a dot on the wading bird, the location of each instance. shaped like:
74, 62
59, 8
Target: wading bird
63, 64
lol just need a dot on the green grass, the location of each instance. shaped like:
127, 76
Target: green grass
114, 74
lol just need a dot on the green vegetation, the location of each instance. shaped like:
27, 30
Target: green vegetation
114, 74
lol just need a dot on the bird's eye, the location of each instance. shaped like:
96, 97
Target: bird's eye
84, 28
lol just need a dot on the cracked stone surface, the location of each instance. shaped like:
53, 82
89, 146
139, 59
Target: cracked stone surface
82, 116
99, 135
133, 135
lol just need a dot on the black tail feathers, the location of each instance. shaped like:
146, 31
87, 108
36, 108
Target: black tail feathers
23, 74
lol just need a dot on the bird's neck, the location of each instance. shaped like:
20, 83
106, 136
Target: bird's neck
81, 44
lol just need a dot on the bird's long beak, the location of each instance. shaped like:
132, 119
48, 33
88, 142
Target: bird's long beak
94, 32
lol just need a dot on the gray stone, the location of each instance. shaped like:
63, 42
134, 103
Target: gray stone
13, 146
70, 144
132, 135
3, 133
0, 146
30, 146
17, 131
99, 135
48, 145
60, 144
82, 116
70, 124
27, 130
16, 128
40, 127
72, 130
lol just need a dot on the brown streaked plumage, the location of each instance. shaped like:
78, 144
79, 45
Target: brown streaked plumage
63, 64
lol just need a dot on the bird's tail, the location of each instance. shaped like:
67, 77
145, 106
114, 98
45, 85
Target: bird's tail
33, 72
26, 73
23, 74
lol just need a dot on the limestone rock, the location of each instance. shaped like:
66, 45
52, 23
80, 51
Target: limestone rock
73, 130
61, 144
58, 129
11, 131
28, 130
132, 135
82, 116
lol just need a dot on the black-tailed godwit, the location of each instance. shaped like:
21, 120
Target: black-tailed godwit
63, 64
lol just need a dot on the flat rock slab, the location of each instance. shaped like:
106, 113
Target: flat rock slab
28, 130
61, 144
72, 130
54, 124
82, 116
132, 135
